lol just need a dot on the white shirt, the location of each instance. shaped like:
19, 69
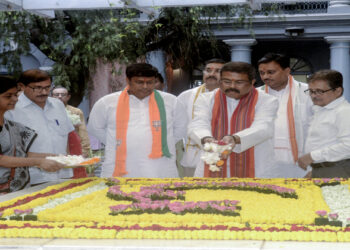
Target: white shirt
52, 126
259, 135
102, 124
328, 138
184, 105
302, 111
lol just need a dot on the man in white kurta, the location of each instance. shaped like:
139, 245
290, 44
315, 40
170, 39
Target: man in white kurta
48, 117
102, 125
258, 135
328, 140
185, 104
275, 73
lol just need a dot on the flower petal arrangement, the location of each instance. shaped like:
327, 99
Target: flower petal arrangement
189, 208
74, 160
213, 152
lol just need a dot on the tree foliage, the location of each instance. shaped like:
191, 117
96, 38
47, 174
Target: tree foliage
185, 34
76, 39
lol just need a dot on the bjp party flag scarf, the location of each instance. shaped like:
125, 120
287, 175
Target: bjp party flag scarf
158, 126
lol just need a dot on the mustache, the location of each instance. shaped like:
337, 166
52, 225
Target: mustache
42, 95
232, 90
211, 77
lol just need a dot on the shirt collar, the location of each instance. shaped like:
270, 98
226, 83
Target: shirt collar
278, 92
24, 100
134, 98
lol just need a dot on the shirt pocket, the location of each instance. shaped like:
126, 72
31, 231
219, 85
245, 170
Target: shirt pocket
59, 126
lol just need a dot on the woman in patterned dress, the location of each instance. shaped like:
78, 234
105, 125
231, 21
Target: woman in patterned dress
15, 141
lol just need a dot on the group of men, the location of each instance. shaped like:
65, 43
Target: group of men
284, 128
277, 130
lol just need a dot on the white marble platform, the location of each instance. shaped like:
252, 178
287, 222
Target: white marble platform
97, 244
83, 244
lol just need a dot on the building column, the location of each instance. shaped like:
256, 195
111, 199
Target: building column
157, 59
338, 6
240, 49
340, 59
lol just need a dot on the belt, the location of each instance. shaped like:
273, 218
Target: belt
328, 164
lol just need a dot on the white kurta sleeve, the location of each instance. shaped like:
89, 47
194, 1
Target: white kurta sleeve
97, 125
200, 126
341, 149
309, 113
262, 127
180, 121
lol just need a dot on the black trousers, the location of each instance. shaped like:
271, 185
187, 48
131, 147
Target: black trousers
339, 169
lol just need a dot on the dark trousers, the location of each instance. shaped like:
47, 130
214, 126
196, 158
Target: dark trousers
339, 169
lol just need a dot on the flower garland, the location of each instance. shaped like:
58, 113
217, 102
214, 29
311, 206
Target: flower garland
212, 185
163, 231
40, 197
226, 208
74, 118
263, 216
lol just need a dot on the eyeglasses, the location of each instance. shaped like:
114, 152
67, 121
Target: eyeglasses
40, 89
209, 70
59, 94
317, 91
229, 82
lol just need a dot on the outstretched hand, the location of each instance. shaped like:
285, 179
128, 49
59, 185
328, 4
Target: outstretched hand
50, 165
208, 139
228, 139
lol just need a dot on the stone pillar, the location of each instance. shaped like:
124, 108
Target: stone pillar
240, 49
340, 59
338, 6
157, 59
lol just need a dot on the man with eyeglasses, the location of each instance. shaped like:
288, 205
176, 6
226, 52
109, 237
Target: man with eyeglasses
185, 104
292, 116
62, 93
138, 127
47, 116
328, 139
239, 115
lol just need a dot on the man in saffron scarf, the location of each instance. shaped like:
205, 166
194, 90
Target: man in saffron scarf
185, 104
238, 114
138, 127
294, 112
